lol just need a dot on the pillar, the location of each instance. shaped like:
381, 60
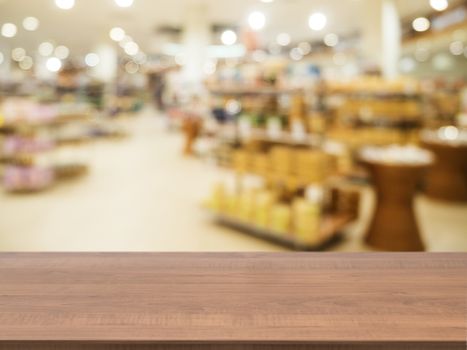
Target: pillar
5, 66
40, 69
196, 39
106, 70
381, 37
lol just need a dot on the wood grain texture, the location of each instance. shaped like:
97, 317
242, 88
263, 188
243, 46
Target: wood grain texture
284, 346
234, 301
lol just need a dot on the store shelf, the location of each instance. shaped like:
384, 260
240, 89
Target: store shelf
376, 94
73, 141
330, 231
253, 91
70, 171
284, 138
54, 122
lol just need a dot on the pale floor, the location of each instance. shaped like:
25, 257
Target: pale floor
142, 195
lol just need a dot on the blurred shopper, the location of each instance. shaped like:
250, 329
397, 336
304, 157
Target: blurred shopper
193, 123
157, 85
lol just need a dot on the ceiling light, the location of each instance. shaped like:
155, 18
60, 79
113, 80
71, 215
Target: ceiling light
283, 39
257, 20
46, 49
92, 59
18, 54
259, 56
339, 59
331, 40
421, 24
456, 48
131, 48
229, 37
53, 64
459, 34
65, 4
233, 107
131, 67
31, 23
62, 52
126, 39
274, 49
304, 47
267, 1
180, 59
141, 58
296, 54
26, 63
124, 3
117, 34
442, 62
210, 67
317, 21
439, 5
422, 54
407, 64
9, 30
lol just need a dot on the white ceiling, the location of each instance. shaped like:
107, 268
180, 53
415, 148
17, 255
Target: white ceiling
88, 23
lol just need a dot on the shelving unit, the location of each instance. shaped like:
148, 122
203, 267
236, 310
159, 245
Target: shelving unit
33, 130
330, 232
259, 90
259, 138
283, 138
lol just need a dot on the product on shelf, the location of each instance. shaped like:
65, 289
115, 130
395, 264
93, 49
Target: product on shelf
447, 135
217, 198
397, 155
16, 144
290, 166
246, 205
24, 111
378, 110
38, 136
19, 179
280, 221
375, 85
345, 201
300, 220
282, 161
306, 221
264, 201
358, 137
314, 166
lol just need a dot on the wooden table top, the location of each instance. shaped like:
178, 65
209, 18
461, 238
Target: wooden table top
219, 298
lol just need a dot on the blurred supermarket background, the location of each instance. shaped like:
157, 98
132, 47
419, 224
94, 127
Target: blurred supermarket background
233, 125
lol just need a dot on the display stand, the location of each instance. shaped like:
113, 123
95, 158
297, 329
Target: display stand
394, 226
447, 179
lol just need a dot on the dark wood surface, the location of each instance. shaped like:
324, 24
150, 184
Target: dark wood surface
232, 301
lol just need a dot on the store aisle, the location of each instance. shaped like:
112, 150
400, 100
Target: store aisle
143, 195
